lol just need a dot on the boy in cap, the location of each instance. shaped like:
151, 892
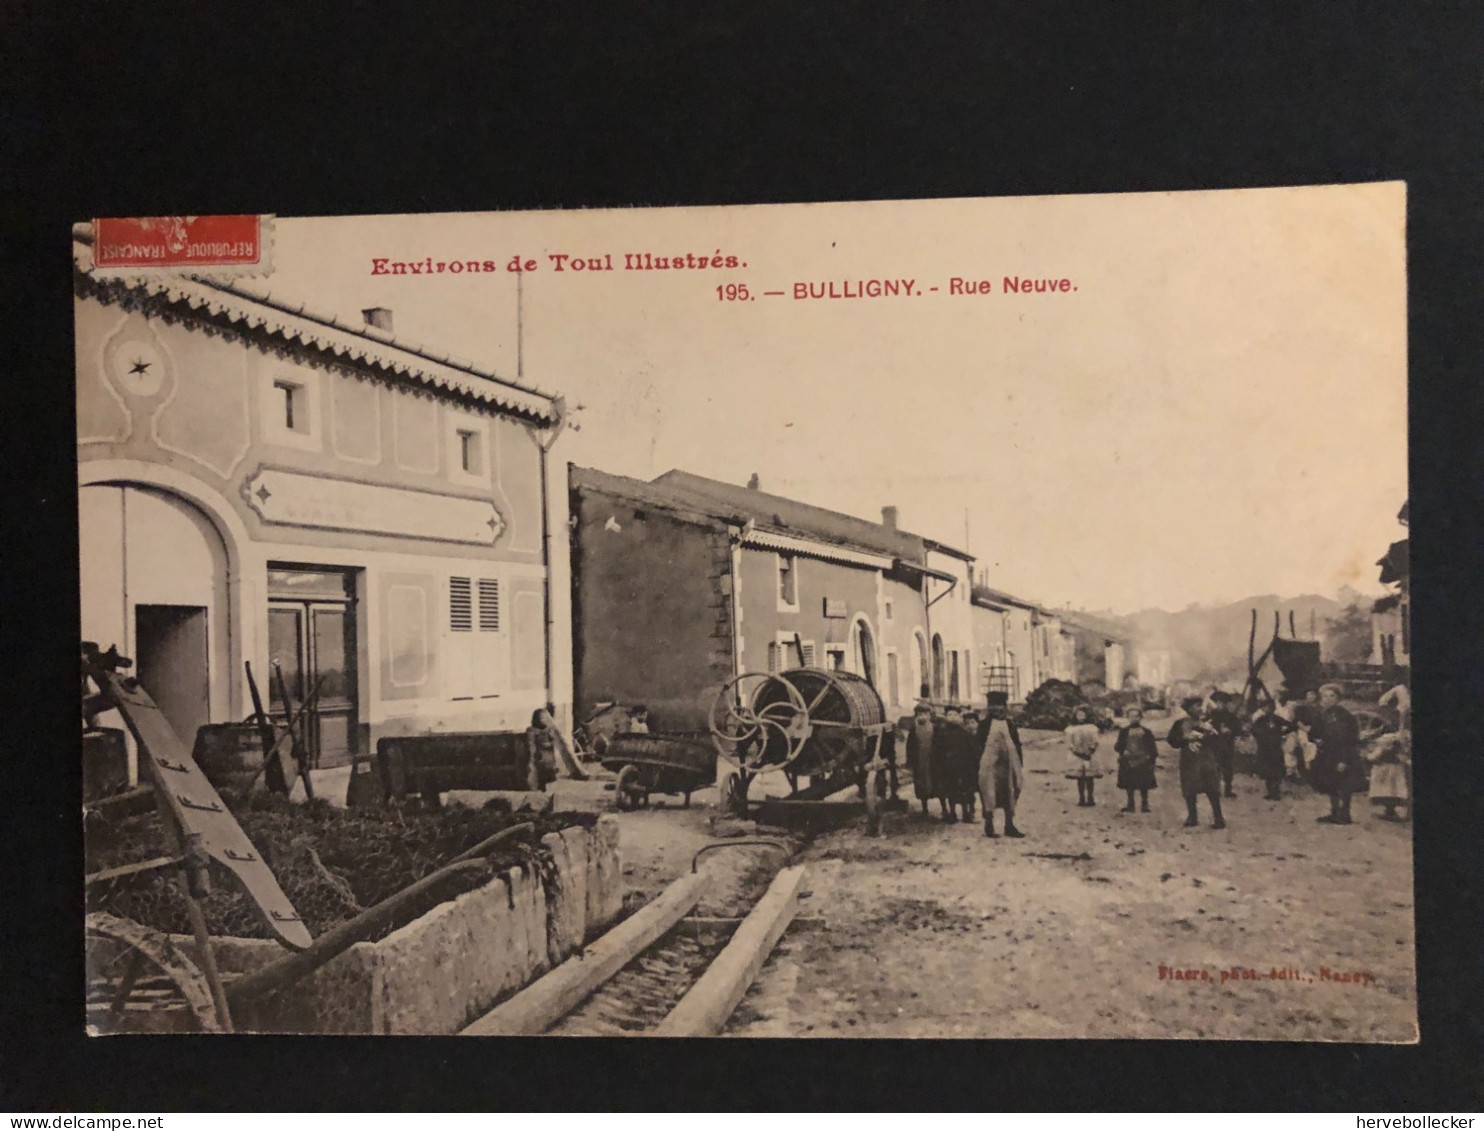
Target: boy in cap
1337, 768
1198, 770
1225, 725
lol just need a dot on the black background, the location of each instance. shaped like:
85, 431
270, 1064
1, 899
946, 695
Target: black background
167, 108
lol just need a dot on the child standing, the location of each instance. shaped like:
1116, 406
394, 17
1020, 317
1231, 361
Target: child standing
1389, 771
1082, 745
1268, 731
1136, 752
1199, 772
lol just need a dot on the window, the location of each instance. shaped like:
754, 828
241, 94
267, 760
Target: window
471, 458
788, 582
294, 413
476, 649
289, 408
788, 651
835, 657
887, 611
471, 447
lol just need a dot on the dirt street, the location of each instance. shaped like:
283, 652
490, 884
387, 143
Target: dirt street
936, 931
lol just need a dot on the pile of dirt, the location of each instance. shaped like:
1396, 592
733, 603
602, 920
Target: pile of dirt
1050, 706
331, 863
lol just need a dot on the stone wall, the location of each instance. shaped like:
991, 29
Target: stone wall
438, 973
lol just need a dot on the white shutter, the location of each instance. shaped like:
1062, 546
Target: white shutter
490, 644
459, 652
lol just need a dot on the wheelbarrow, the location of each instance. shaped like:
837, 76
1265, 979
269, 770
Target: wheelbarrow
659, 763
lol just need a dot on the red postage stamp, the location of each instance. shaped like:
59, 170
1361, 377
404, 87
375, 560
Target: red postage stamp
216, 245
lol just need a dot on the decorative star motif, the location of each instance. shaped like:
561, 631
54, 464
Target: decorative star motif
263, 493
139, 366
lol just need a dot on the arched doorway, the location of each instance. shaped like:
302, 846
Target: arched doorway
153, 581
938, 666
863, 650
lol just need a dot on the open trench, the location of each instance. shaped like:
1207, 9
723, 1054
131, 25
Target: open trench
643, 993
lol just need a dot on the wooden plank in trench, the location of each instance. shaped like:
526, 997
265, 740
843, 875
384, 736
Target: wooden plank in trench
551, 997
705, 1008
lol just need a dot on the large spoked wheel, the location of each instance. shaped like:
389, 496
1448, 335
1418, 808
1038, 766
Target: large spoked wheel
732, 795
628, 792
139, 981
759, 721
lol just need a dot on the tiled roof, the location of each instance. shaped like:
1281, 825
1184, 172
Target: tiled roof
249, 304
653, 495
788, 516
985, 595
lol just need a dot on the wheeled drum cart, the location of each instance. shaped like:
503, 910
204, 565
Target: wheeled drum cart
824, 730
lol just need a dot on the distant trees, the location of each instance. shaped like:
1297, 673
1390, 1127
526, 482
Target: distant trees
1347, 636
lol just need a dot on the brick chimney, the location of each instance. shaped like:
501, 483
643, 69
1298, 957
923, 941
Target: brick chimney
378, 316
889, 517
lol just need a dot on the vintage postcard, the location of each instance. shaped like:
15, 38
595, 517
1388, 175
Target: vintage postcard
940, 618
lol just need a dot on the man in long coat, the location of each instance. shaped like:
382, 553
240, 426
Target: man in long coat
1001, 764
1337, 768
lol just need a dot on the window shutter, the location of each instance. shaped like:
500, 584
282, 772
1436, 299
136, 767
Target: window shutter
460, 605
809, 654
773, 657
489, 605
458, 654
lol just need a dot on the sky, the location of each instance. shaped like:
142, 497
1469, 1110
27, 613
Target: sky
1213, 408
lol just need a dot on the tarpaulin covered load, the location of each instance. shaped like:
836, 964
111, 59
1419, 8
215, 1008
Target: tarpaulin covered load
1298, 660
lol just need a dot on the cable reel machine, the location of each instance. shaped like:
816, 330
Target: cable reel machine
823, 730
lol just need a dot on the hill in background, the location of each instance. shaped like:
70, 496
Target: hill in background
1208, 643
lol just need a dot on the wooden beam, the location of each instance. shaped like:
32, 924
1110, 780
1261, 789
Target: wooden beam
550, 998
705, 1008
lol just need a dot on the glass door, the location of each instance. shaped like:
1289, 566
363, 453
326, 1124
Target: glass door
311, 639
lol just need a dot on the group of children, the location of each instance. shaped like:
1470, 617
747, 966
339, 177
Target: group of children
964, 758
1282, 734
956, 760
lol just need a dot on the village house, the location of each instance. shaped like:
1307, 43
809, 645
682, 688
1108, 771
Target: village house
1099, 651
1024, 644
258, 483
950, 581
1004, 638
683, 582
1391, 615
